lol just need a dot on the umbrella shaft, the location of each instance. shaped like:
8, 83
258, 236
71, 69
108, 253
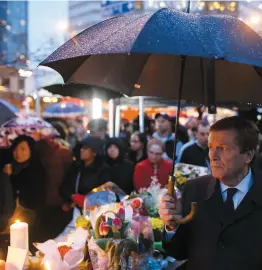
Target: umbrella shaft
181, 82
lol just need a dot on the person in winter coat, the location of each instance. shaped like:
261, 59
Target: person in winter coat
121, 169
7, 204
27, 177
154, 168
84, 176
56, 160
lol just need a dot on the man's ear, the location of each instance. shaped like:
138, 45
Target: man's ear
250, 154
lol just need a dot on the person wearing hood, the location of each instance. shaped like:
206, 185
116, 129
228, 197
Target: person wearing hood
82, 177
27, 177
121, 169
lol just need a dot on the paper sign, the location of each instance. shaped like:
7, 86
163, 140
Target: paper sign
16, 258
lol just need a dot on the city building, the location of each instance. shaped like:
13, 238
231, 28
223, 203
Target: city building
83, 14
14, 33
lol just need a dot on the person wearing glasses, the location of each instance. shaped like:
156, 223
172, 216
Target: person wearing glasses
154, 168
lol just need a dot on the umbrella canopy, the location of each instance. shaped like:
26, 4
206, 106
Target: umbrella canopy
82, 91
140, 55
32, 126
7, 111
64, 108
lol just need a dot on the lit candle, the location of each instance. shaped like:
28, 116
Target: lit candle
2, 265
47, 265
19, 235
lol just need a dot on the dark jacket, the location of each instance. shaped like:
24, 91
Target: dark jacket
7, 204
214, 240
195, 155
121, 169
90, 177
132, 157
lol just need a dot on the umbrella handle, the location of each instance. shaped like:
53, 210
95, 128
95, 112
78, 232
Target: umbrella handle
171, 192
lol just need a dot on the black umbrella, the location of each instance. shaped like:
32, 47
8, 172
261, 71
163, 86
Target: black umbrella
82, 91
212, 59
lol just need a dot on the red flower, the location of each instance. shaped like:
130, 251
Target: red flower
103, 218
117, 223
121, 213
103, 228
137, 203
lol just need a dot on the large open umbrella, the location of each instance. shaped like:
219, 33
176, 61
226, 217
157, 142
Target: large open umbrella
7, 111
64, 109
32, 126
211, 59
83, 91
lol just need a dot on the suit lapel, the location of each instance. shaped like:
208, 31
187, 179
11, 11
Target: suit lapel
214, 202
215, 205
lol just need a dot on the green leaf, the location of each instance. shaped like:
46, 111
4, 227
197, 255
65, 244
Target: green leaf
104, 243
109, 221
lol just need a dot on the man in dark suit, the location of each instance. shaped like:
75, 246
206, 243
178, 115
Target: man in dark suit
225, 233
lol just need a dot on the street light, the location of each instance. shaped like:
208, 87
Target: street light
254, 20
62, 26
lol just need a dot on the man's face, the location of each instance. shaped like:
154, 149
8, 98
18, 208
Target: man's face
154, 153
162, 124
202, 135
226, 160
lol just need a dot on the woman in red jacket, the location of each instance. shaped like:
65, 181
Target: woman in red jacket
154, 167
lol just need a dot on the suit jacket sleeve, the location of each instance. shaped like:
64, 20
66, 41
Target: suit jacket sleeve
179, 244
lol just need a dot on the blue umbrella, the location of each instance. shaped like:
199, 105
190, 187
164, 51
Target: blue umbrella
64, 108
211, 59
7, 111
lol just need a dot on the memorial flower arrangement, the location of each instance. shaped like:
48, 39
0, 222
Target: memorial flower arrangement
119, 233
184, 172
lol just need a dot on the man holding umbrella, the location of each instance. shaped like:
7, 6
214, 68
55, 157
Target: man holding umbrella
225, 232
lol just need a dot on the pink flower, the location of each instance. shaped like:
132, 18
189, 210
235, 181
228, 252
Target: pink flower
103, 228
137, 203
121, 213
117, 223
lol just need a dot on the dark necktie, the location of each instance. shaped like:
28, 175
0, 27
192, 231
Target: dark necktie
229, 201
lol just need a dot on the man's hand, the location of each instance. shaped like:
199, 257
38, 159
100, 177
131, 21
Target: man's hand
169, 210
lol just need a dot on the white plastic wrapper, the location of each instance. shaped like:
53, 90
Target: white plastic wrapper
52, 258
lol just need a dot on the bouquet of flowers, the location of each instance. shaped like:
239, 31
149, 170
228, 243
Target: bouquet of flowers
184, 172
119, 233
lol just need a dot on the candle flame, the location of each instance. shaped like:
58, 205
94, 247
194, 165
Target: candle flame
17, 221
47, 265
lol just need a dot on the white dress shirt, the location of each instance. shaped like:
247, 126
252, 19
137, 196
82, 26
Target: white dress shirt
242, 189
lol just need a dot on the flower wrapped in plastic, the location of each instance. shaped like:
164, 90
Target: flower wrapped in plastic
64, 255
118, 234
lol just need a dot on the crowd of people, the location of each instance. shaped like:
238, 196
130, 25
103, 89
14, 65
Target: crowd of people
45, 181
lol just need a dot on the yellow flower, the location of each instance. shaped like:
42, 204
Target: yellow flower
178, 174
157, 224
181, 180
